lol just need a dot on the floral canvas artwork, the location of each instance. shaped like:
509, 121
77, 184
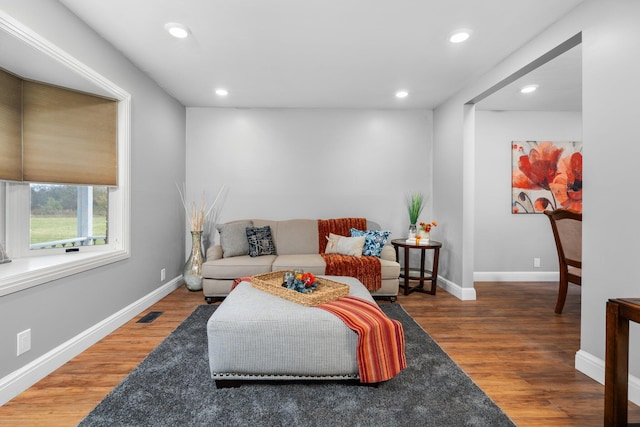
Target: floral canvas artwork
546, 175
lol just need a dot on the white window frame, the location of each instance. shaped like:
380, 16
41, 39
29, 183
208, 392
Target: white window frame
36, 267
18, 218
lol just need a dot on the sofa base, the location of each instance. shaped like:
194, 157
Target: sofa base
391, 298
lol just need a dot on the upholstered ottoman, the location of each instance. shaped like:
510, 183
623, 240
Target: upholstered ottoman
254, 335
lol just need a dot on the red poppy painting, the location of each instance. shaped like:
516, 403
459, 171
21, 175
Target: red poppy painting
546, 175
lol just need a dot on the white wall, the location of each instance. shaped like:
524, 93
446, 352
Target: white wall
611, 67
60, 310
505, 244
311, 163
447, 193
610, 112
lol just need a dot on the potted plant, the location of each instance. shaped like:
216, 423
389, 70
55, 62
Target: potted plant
415, 204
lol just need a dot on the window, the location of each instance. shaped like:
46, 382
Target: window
48, 219
68, 216
31, 267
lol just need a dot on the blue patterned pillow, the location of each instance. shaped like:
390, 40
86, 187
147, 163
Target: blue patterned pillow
260, 241
374, 240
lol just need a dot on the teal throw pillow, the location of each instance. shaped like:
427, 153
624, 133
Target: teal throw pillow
374, 240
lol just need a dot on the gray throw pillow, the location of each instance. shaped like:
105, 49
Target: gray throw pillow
233, 238
260, 241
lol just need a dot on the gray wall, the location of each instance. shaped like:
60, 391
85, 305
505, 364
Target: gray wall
61, 309
505, 242
610, 112
311, 163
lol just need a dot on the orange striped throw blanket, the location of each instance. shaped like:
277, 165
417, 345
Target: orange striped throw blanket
367, 269
380, 350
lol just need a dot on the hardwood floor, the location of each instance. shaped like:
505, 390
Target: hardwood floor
509, 341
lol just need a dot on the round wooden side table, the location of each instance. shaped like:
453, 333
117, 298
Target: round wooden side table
421, 274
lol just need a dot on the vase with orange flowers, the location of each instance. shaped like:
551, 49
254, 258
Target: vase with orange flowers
425, 229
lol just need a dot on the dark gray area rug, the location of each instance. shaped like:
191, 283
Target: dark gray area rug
172, 387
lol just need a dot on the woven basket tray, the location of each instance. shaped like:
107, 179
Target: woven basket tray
326, 290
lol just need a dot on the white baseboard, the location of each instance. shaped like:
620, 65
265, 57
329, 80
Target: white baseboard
590, 365
516, 276
469, 294
593, 367
23, 378
464, 294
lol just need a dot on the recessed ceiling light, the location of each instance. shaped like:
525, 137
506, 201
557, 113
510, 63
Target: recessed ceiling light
459, 36
529, 89
177, 30
402, 94
222, 92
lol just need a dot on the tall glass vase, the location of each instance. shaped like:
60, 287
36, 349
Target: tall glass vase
412, 231
192, 272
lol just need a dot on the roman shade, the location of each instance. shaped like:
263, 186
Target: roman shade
10, 127
68, 137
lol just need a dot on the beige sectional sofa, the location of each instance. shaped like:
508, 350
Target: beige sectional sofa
296, 244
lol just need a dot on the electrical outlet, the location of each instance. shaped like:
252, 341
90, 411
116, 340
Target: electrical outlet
162, 275
536, 262
24, 341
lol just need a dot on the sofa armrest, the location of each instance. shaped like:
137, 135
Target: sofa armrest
388, 253
214, 252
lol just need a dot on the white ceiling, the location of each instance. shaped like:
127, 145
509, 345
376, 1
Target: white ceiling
559, 84
320, 53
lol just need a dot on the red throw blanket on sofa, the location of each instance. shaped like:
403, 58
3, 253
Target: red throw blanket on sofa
380, 349
340, 226
367, 269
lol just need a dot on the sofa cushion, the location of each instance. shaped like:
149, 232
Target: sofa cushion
374, 240
236, 267
343, 245
260, 241
233, 238
296, 236
312, 263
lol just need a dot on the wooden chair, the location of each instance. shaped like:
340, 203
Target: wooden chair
567, 232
